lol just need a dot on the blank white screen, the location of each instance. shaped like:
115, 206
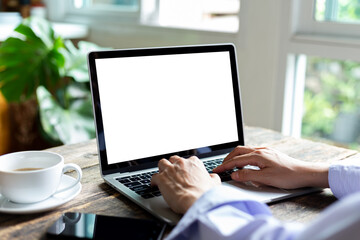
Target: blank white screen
156, 105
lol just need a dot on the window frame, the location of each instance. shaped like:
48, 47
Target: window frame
306, 26
306, 36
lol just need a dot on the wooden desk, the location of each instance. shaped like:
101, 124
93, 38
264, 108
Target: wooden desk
98, 197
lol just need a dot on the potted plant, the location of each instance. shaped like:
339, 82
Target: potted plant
38, 68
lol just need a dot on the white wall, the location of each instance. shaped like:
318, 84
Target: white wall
258, 54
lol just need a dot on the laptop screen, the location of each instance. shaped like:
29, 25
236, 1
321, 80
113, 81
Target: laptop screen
155, 104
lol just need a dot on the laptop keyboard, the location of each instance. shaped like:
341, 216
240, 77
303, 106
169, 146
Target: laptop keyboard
140, 183
210, 165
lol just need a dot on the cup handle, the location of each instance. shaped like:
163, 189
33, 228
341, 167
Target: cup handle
67, 167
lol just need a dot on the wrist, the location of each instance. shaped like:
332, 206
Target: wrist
187, 200
315, 175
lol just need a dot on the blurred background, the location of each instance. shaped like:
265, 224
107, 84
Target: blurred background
298, 61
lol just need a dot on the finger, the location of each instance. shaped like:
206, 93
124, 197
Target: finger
174, 159
194, 158
245, 175
239, 162
215, 177
154, 179
163, 164
239, 150
197, 161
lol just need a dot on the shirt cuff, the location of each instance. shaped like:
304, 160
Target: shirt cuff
344, 177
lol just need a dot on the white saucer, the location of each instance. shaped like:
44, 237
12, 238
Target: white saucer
54, 201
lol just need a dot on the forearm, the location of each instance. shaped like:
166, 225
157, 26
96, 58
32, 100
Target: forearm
342, 177
313, 174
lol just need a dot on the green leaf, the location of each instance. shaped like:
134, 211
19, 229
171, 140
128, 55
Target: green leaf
11, 92
27, 32
10, 46
65, 125
76, 60
26, 63
43, 29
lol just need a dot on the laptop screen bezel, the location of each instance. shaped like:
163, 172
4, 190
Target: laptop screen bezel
149, 162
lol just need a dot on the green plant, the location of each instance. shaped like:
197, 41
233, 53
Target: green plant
343, 11
35, 63
319, 115
331, 96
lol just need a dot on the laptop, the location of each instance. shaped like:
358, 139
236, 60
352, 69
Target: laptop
152, 103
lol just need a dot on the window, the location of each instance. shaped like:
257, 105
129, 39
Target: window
346, 11
210, 15
338, 19
122, 5
325, 57
332, 101
217, 15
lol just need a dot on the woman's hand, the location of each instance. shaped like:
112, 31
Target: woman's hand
182, 181
274, 169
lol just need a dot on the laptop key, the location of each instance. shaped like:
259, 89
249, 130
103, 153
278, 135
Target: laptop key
225, 176
123, 180
145, 192
132, 184
157, 193
148, 189
135, 179
146, 182
139, 188
147, 196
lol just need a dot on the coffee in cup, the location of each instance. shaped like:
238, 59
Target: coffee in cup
33, 176
27, 169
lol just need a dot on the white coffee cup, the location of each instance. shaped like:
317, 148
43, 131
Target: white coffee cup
33, 176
